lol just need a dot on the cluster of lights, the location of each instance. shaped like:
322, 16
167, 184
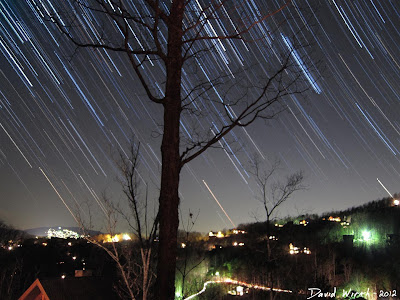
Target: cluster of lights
62, 233
215, 247
296, 250
334, 219
239, 291
303, 222
272, 237
293, 249
219, 234
116, 238
345, 224
235, 244
236, 231
10, 245
278, 225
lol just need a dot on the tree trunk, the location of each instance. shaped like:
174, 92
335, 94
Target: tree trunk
168, 210
170, 156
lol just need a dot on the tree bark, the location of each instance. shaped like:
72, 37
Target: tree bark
170, 156
168, 208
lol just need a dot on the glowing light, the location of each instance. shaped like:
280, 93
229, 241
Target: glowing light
396, 202
108, 238
366, 235
62, 276
303, 222
240, 283
126, 237
62, 234
293, 249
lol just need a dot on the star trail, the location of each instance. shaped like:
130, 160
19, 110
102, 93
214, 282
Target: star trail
65, 111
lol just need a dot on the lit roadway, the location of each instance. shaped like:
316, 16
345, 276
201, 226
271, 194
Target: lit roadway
232, 281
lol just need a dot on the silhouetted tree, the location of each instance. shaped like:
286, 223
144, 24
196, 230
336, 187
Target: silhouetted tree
272, 194
178, 34
134, 259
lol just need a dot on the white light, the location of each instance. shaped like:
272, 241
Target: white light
396, 202
366, 235
62, 276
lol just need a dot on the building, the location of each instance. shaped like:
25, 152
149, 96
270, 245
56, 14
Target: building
74, 288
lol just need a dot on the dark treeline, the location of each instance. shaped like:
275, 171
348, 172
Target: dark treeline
355, 249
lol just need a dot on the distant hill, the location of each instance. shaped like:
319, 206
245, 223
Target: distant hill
42, 231
382, 217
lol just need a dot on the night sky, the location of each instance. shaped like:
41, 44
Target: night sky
63, 113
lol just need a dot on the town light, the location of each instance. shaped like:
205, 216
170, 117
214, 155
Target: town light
126, 237
396, 202
220, 234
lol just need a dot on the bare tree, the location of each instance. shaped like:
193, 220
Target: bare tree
192, 256
177, 34
138, 217
273, 194
137, 275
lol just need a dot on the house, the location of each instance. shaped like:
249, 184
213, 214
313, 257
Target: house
74, 288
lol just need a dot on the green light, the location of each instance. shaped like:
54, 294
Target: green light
366, 235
